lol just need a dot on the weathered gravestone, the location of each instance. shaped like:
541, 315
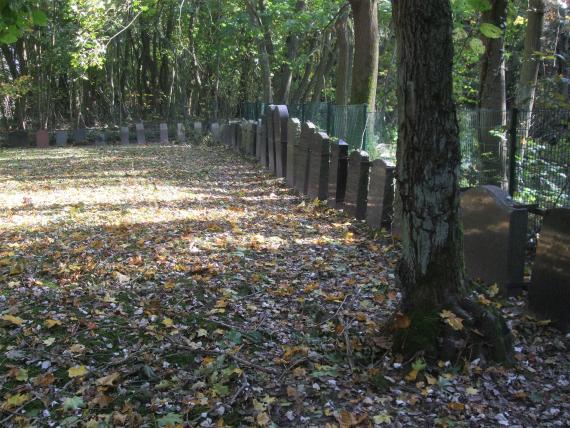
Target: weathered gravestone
125, 135
42, 138
60, 138
293, 135
280, 118
318, 185
337, 174
198, 129
252, 138
302, 157
80, 136
18, 139
494, 237
258, 140
163, 133
271, 138
549, 292
215, 129
380, 194
101, 138
140, 133
263, 147
356, 196
181, 133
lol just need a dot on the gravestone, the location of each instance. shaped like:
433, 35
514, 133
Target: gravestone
337, 174
263, 147
80, 136
318, 182
380, 194
253, 138
494, 237
293, 135
215, 129
18, 139
124, 135
163, 133
549, 292
140, 133
181, 133
198, 129
271, 138
60, 138
356, 195
101, 139
258, 140
42, 139
280, 119
302, 157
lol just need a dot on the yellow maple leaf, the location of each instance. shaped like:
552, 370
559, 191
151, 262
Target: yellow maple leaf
167, 322
15, 400
77, 348
52, 323
453, 320
77, 371
13, 319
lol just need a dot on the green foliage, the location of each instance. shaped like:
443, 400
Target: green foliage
17, 17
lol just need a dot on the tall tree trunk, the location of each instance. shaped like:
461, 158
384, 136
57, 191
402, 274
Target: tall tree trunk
343, 62
265, 49
529, 70
316, 85
365, 67
492, 101
563, 55
428, 158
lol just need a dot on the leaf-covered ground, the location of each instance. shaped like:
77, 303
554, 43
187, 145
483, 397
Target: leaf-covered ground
183, 286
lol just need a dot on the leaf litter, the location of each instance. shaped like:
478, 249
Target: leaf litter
183, 286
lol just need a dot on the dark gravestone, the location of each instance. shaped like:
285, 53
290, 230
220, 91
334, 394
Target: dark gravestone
271, 138
42, 139
124, 135
302, 157
280, 118
264, 144
181, 133
198, 129
225, 134
252, 150
337, 174
318, 185
101, 138
60, 138
356, 196
259, 140
380, 194
494, 237
163, 133
80, 136
236, 136
140, 133
18, 139
549, 292
293, 135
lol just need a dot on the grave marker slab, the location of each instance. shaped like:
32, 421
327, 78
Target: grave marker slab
380, 194
181, 133
302, 157
549, 292
80, 136
198, 129
258, 140
337, 174
18, 139
42, 139
215, 129
356, 196
60, 138
140, 133
293, 135
264, 149
318, 181
271, 129
101, 139
252, 138
124, 135
280, 119
163, 133
494, 237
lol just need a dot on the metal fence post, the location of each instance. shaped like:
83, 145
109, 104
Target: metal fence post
513, 152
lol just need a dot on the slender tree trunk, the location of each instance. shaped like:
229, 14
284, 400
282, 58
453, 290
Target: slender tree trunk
428, 158
265, 50
529, 70
563, 54
316, 85
492, 101
343, 62
285, 76
365, 68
